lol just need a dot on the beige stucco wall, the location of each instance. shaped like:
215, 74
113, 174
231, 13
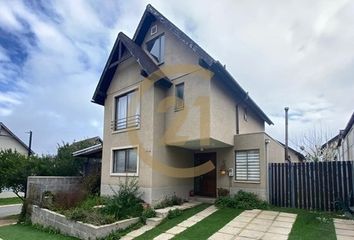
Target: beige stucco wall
127, 77
248, 142
8, 142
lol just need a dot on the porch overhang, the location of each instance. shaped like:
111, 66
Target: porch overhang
200, 144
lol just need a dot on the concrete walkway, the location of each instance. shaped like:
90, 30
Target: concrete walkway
257, 224
170, 233
344, 229
8, 210
160, 215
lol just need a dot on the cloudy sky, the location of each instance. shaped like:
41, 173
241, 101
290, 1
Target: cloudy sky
284, 53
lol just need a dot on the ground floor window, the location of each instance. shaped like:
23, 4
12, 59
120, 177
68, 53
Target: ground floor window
247, 166
125, 161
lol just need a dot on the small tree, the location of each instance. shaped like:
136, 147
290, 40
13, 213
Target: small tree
14, 169
316, 144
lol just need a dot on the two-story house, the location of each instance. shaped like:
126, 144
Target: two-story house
8, 140
175, 118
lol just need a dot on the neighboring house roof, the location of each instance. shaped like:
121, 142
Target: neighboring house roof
334, 139
349, 126
133, 46
298, 154
343, 133
2, 126
88, 141
88, 151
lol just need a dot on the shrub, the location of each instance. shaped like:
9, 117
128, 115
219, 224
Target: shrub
67, 200
93, 216
147, 213
125, 202
242, 200
169, 201
174, 213
92, 183
222, 192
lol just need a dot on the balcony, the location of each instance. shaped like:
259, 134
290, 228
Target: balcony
126, 123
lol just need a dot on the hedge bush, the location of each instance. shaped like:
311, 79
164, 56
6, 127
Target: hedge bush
241, 200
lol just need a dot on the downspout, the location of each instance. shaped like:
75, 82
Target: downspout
286, 135
266, 142
237, 113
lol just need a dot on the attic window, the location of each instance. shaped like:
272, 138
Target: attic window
156, 48
153, 30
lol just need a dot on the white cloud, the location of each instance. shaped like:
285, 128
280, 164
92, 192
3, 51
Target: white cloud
297, 54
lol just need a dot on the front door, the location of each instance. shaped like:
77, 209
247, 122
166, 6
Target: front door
205, 185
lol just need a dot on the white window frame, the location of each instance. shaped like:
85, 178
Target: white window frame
248, 181
136, 174
114, 108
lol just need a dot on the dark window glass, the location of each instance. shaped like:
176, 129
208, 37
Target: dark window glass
125, 161
179, 96
156, 48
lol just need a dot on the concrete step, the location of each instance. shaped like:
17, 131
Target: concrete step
153, 221
203, 199
163, 212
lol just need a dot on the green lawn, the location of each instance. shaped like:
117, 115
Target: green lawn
7, 201
20, 232
210, 224
311, 225
169, 223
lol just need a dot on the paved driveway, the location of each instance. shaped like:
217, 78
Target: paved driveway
257, 224
9, 210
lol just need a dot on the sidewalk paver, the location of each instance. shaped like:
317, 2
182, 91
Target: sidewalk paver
257, 224
344, 229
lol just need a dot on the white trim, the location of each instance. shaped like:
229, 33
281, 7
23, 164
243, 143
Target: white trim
136, 174
244, 181
122, 92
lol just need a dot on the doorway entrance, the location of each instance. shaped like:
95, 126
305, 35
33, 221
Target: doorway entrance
205, 185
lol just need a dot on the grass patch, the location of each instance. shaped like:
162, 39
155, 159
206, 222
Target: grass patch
28, 232
169, 223
311, 225
209, 225
8, 201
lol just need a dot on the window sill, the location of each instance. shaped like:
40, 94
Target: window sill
179, 109
124, 175
126, 130
244, 181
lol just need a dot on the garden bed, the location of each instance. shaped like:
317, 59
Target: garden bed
48, 218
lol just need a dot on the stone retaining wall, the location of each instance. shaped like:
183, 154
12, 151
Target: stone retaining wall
37, 185
80, 230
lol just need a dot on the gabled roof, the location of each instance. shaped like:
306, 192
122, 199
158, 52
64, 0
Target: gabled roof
2, 126
123, 43
205, 60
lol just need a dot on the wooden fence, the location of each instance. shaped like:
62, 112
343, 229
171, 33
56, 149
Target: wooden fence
311, 185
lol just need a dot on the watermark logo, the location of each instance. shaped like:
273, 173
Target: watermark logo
197, 102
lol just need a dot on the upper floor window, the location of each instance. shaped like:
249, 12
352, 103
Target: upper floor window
125, 161
156, 48
247, 166
127, 111
179, 96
